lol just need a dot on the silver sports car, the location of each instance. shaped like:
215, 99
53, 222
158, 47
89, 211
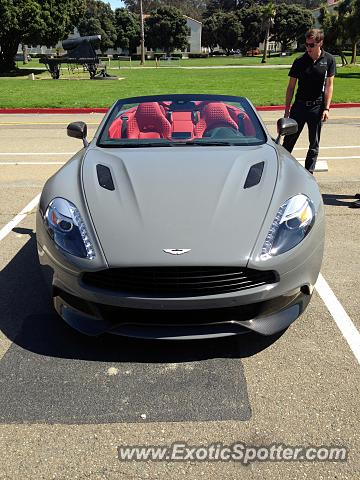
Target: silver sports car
181, 218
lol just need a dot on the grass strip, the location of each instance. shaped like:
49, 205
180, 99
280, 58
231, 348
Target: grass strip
261, 86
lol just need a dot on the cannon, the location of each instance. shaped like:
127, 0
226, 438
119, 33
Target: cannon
80, 51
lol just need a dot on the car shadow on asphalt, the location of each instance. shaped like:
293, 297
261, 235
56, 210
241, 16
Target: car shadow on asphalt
338, 200
52, 374
30, 321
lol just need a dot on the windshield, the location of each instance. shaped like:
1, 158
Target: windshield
181, 120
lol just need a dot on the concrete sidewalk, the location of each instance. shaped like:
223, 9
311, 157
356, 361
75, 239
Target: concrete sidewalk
86, 111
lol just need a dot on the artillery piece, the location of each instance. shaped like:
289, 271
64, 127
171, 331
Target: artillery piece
80, 51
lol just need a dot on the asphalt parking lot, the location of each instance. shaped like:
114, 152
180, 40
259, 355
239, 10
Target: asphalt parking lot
67, 402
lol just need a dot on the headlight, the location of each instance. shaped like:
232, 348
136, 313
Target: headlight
292, 223
66, 227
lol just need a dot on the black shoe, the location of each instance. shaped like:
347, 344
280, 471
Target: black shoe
355, 204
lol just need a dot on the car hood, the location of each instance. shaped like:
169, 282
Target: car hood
178, 198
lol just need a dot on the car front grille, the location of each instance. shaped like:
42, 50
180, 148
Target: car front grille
179, 282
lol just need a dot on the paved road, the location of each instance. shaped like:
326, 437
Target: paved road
67, 401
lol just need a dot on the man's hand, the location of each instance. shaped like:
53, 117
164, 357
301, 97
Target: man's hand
325, 115
287, 113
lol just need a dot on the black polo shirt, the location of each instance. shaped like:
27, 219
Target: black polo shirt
312, 75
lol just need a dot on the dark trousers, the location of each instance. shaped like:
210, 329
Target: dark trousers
312, 116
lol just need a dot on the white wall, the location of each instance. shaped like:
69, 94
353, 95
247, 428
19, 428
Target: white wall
195, 35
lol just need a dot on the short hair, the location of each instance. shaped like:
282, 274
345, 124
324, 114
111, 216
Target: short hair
316, 34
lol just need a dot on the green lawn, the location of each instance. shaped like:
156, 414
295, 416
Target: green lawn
262, 86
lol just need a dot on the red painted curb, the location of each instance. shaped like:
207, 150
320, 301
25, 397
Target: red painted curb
268, 108
53, 110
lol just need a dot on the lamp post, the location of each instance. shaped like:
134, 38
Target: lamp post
142, 36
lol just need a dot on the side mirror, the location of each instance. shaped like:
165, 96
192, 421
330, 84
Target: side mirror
286, 126
78, 130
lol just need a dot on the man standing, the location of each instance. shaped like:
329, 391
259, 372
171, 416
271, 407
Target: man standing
315, 72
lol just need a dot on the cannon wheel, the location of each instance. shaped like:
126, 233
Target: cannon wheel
92, 70
55, 72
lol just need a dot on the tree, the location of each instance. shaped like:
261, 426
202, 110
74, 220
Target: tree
34, 22
191, 8
341, 27
268, 21
166, 29
334, 32
99, 19
223, 29
290, 23
208, 34
127, 26
215, 6
251, 19
228, 31
349, 15
310, 4
148, 5
355, 29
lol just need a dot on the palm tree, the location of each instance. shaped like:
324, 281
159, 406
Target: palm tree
142, 37
268, 21
335, 31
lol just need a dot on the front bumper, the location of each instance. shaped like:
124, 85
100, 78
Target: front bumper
266, 310
266, 318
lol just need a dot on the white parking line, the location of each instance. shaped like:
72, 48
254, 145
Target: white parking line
330, 148
22, 154
24, 212
342, 319
334, 158
32, 163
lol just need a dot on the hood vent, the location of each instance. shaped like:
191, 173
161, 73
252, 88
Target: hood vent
104, 177
254, 175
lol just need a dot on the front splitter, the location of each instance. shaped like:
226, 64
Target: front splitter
268, 324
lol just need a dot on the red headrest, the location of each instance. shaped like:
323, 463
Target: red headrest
151, 117
217, 113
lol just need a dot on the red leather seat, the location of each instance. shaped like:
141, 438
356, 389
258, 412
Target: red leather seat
245, 125
148, 120
214, 115
116, 126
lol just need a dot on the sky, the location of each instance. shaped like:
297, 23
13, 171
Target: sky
115, 3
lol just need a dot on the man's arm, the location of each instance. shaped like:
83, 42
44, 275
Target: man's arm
289, 95
327, 97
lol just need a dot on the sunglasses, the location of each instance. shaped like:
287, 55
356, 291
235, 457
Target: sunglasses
310, 45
